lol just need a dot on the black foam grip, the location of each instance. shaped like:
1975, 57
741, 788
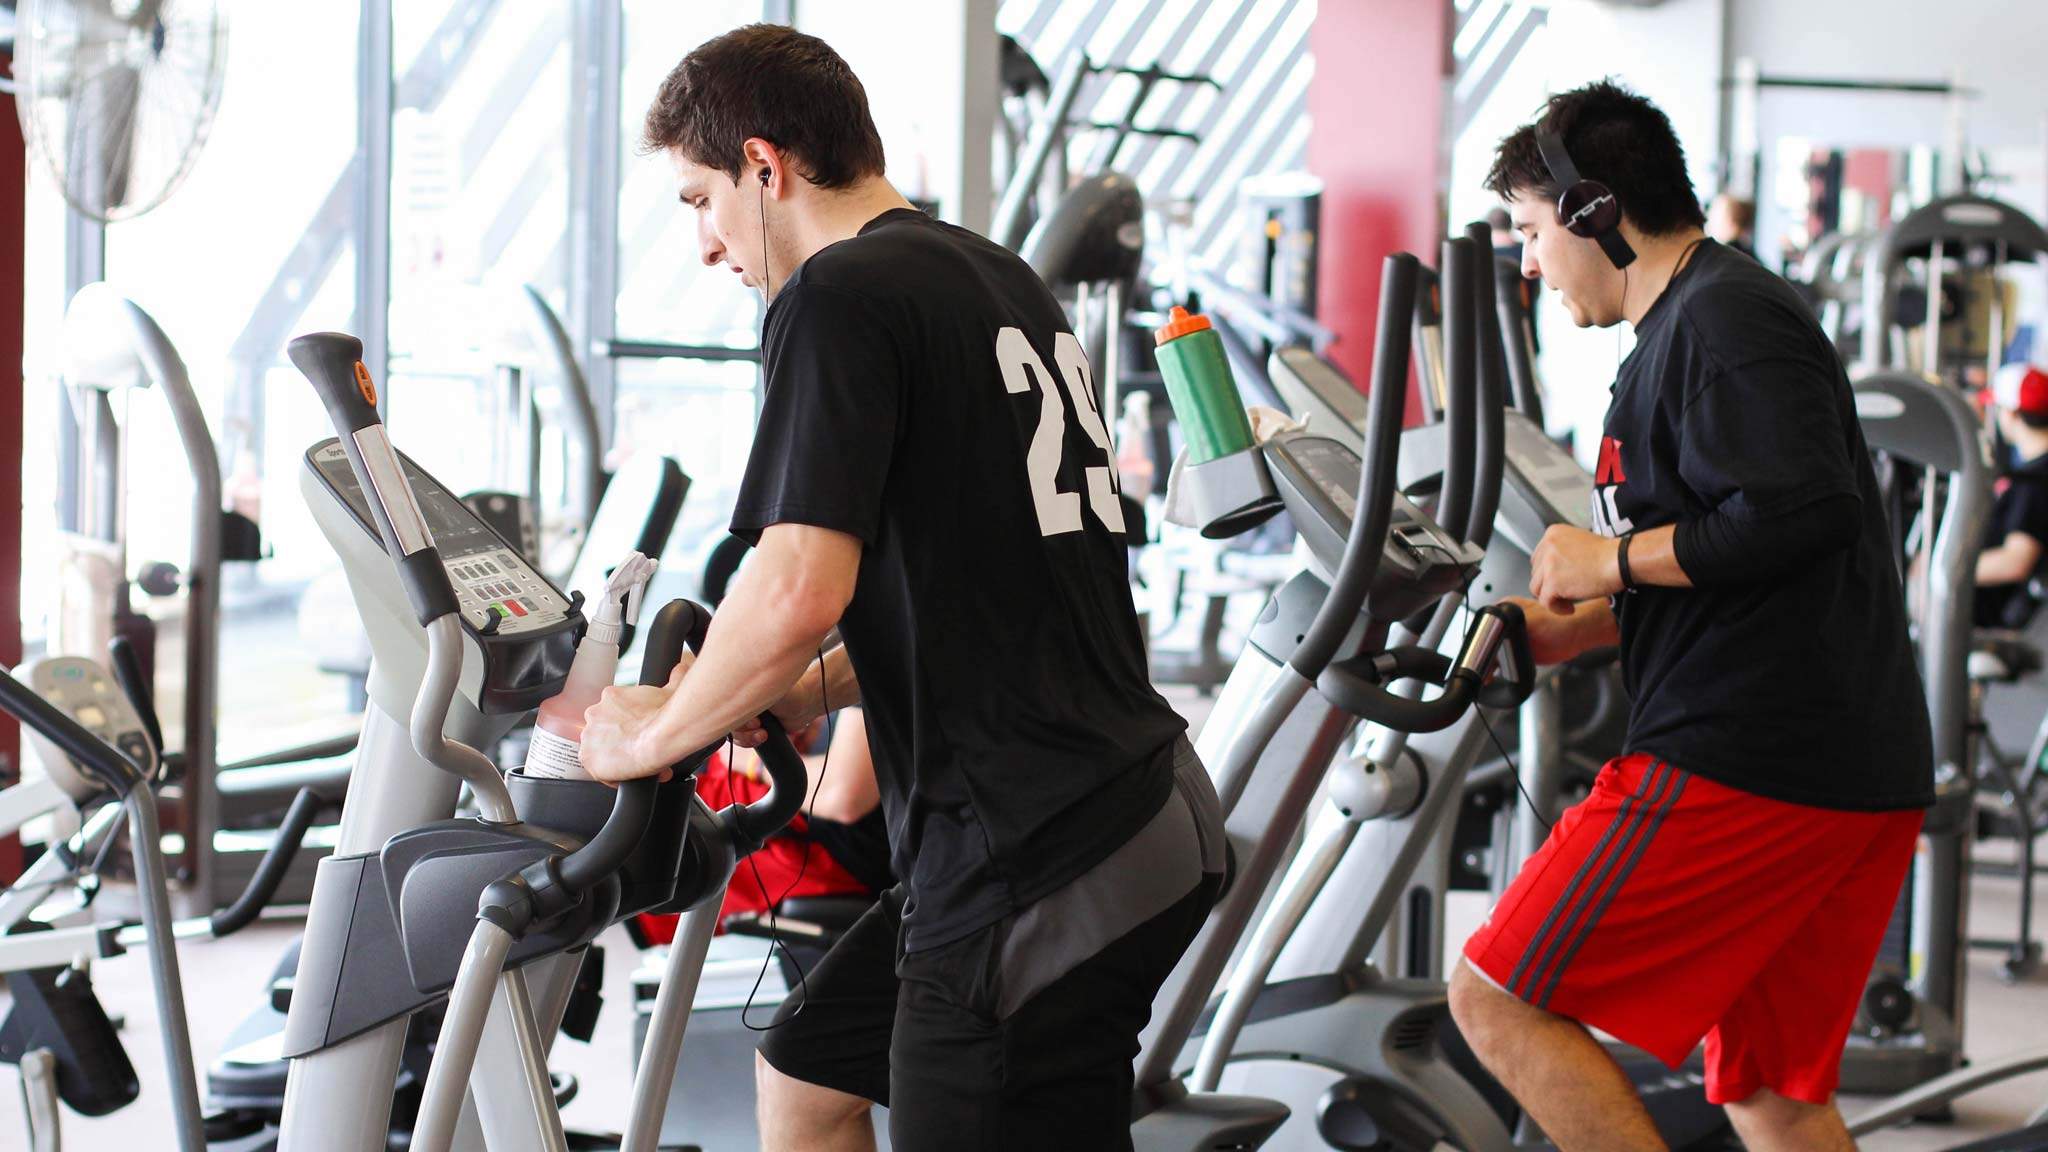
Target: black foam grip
787, 779
426, 585
332, 361
270, 871
1359, 695
128, 673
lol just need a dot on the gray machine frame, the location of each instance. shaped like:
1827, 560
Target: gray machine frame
1934, 231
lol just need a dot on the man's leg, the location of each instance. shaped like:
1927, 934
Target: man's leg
1768, 1122
1561, 1075
799, 1117
826, 1057
1056, 1072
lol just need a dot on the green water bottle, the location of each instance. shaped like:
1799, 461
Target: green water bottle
1203, 391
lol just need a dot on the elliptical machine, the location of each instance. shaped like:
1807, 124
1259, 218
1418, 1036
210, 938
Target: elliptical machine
1338, 1007
1375, 559
467, 637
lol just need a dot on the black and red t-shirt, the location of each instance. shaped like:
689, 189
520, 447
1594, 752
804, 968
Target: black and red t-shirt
1799, 685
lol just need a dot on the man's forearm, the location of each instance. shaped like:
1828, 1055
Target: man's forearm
840, 687
1598, 626
754, 653
1653, 560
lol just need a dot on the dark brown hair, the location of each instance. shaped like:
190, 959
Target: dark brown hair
770, 81
1615, 137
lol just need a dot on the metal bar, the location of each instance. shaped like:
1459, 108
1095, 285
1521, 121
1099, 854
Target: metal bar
662, 350
661, 1050
162, 950
375, 86
462, 1029
596, 60
58, 948
85, 261
27, 800
1930, 333
1842, 84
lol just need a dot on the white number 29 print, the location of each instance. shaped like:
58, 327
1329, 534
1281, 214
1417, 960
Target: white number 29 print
1061, 511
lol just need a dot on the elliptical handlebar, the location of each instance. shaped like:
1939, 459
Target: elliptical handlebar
333, 362
1491, 432
1461, 355
1359, 686
681, 622
1512, 296
1375, 507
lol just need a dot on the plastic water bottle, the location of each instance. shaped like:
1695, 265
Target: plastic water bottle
556, 750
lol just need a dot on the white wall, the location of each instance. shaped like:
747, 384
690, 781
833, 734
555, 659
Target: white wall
1995, 45
929, 70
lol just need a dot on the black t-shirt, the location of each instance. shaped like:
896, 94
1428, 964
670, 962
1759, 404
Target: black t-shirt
2021, 507
925, 395
1800, 686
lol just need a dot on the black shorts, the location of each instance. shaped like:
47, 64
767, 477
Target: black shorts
919, 1033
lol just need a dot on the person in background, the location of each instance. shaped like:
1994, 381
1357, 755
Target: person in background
1507, 256
1506, 245
2019, 520
1731, 220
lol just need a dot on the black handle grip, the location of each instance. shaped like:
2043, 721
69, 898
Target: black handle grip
1461, 392
333, 361
1514, 679
680, 623
1359, 694
750, 825
1512, 298
270, 871
127, 664
107, 765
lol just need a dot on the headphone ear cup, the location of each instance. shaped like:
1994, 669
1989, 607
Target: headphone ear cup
1589, 209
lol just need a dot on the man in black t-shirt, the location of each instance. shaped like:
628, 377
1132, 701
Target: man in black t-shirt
1731, 875
2019, 520
932, 476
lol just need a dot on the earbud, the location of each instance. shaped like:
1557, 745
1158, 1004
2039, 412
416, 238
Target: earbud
764, 177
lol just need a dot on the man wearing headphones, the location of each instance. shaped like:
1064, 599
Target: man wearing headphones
1731, 875
931, 475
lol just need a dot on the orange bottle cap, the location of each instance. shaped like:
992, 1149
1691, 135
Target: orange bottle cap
1180, 322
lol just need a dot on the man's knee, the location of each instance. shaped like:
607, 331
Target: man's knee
1766, 1110
799, 1103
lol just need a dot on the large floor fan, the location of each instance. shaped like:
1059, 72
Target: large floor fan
116, 96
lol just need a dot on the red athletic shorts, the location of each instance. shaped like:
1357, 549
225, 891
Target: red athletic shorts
1666, 908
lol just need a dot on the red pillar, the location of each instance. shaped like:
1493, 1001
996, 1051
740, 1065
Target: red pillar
1376, 106
13, 189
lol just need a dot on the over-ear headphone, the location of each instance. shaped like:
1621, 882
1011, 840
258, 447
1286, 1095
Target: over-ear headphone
1587, 208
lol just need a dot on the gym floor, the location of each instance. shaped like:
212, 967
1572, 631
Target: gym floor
220, 977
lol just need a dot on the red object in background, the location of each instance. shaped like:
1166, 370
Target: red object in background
13, 226
1376, 120
777, 872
